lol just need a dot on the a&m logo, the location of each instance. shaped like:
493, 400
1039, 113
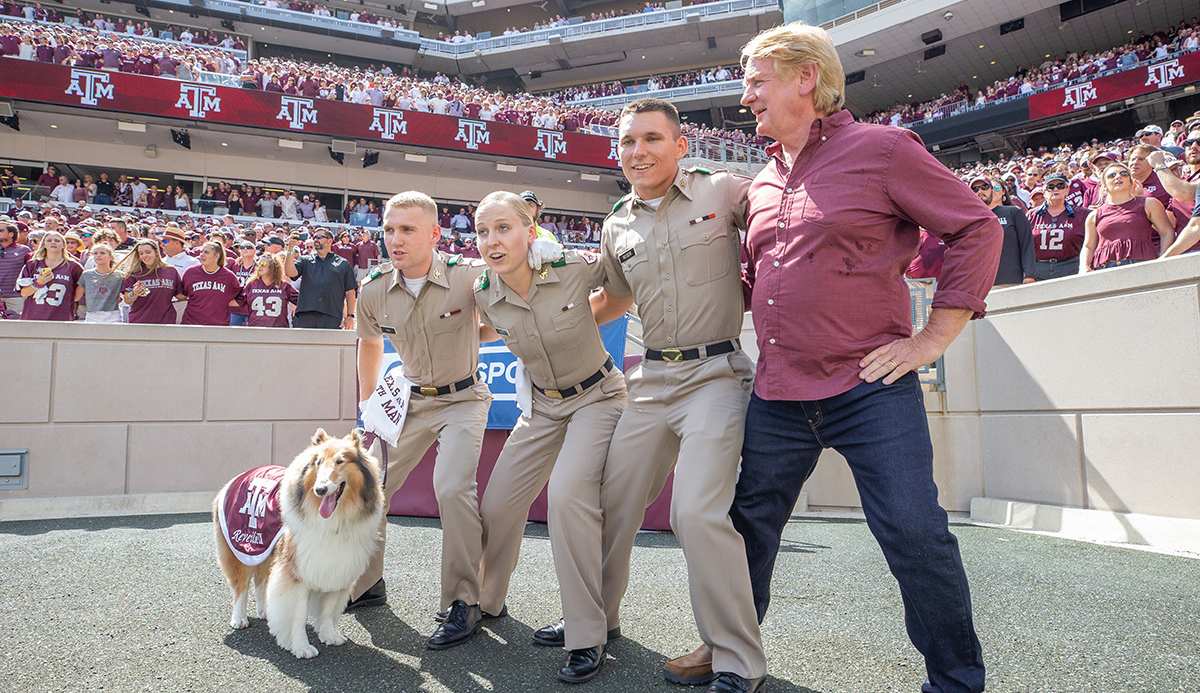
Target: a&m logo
297, 112
257, 496
1162, 74
612, 149
389, 123
473, 132
90, 86
550, 143
198, 100
1079, 95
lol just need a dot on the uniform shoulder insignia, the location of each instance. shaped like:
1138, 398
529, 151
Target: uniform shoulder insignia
482, 282
701, 169
620, 202
561, 261
374, 274
452, 260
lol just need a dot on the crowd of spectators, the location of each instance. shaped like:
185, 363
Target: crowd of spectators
118, 47
377, 86
1073, 209
1052, 73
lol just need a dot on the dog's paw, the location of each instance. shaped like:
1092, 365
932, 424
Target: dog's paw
239, 622
261, 613
304, 651
334, 638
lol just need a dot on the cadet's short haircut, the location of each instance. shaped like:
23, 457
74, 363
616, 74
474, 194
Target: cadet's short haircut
410, 199
651, 105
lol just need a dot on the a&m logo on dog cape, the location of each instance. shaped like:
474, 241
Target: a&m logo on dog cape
248, 510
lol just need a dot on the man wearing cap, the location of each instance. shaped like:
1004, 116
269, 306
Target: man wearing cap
13, 257
1184, 190
673, 245
423, 302
328, 284
831, 226
1153, 136
274, 245
1058, 231
1017, 258
1175, 136
535, 210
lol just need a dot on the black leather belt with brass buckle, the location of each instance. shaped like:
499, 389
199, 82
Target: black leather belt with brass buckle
431, 391
725, 347
578, 389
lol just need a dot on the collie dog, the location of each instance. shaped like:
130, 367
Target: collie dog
304, 534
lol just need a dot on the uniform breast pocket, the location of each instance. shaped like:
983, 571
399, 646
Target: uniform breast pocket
829, 200
707, 254
447, 335
573, 326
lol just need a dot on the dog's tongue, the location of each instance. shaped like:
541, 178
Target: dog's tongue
328, 503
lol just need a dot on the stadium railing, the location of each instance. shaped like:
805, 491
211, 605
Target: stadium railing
920, 294
272, 15
7, 204
731, 87
586, 28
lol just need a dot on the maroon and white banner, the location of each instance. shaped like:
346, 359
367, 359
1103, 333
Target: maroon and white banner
1123, 85
127, 93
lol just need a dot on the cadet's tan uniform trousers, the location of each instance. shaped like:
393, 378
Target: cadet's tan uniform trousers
566, 441
693, 412
457, 422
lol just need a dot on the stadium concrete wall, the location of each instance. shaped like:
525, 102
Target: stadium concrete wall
1081, 392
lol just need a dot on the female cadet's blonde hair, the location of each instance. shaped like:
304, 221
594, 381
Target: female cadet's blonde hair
794, 45
512, 201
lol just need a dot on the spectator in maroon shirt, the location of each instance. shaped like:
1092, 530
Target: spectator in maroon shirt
50, 282
211, 289
366, 251
833, 220
347, 248
13, 257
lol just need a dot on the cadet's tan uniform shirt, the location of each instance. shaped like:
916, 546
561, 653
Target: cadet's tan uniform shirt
553, 330
661, 257
435, 334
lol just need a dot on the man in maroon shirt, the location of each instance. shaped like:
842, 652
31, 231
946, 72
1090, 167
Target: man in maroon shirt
366, 251
832, 222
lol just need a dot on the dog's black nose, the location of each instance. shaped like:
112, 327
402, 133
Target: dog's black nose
320, 490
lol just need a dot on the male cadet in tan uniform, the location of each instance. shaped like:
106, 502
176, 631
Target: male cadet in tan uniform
423, 301
674, 246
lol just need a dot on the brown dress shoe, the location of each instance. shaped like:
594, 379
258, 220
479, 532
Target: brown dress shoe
693, 669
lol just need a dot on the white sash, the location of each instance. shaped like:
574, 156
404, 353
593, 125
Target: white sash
384, 412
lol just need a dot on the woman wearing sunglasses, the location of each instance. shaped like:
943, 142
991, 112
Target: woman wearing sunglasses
1121, 230
1058, 231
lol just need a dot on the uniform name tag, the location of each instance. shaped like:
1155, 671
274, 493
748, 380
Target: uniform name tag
625, 255
387, 330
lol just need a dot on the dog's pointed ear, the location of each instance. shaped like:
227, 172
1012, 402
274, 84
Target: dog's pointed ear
356, 436
320, 436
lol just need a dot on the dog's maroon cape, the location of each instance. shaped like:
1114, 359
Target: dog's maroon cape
249, 512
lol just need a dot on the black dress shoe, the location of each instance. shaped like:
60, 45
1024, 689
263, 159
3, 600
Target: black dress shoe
461, 623
582, 665
552, 635
440, 617
376, 595
728, 682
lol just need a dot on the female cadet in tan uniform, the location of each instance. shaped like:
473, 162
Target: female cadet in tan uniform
545, 319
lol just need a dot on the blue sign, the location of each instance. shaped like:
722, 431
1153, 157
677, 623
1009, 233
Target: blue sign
497, 368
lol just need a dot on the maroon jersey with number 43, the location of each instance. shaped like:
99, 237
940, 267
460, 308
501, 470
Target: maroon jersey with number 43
57, 302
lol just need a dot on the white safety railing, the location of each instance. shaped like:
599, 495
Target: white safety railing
276, 14
99, 34
618, 101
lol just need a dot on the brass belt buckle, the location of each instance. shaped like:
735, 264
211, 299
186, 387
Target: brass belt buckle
553, 394
672, 355
429, 391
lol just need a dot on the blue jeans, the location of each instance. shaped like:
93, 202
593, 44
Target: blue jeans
882, 432
238, 319
99, 199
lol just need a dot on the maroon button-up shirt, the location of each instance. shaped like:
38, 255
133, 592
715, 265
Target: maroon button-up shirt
829, 240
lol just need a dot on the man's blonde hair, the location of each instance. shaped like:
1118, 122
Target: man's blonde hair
412, 198
794, 45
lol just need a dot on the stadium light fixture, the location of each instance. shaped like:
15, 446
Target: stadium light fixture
478, 3
53, 127
290, 144
865, 53
430, 6
130, 127
507, 168
224, 144
590, 176
415, 158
